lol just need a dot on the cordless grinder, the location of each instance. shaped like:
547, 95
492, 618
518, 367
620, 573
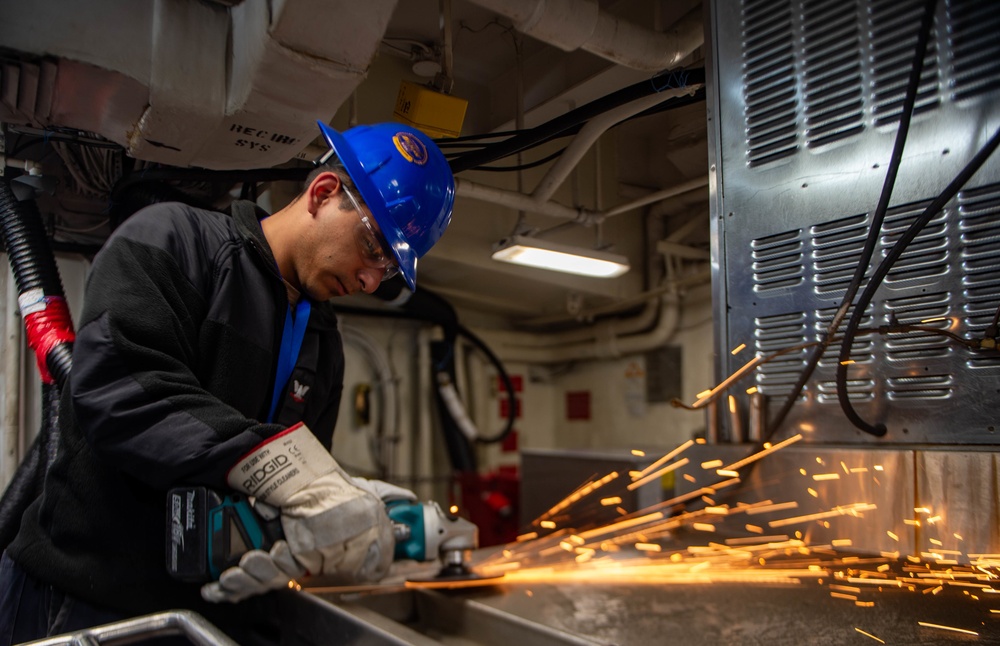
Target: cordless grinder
209, 532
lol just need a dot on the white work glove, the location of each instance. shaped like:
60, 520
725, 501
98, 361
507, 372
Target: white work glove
385, 491
257, 573
333, 526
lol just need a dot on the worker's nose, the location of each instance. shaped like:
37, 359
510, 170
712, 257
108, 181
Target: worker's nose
369, 278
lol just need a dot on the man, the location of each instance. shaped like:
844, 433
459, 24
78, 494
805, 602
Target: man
206, 348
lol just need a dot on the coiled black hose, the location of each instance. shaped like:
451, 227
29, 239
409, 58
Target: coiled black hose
39, 287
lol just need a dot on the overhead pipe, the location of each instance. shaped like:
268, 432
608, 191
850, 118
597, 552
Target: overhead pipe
586, 217
590, 133
581, 24
609, 346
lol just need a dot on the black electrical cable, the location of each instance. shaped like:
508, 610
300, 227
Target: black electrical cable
883, 270
909, 101
517, 143
698, 96
524, 166
507, 384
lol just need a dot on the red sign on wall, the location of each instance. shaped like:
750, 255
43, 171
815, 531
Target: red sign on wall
578, 405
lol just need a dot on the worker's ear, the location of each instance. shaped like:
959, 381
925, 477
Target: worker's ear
325, 186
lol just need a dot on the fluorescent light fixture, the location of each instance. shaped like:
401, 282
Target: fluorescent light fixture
543, 254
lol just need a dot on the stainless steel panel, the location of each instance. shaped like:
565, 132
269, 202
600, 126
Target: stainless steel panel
809, 95
960, 489
884, 478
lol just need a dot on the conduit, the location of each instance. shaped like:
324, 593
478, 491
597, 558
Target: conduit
591, 132
607, 342
588, 217
10, 442
386, 426
581, 24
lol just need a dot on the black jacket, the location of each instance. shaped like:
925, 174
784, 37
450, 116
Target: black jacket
173, 363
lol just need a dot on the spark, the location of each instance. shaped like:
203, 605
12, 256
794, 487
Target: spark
865, 604
704, 527
652, 476
613, 500
922, 510
914, 523
844, 467
859, 469
547, 524
738, 349
826, 476
648, 547
725, 473
878, 467
849, 597
892, 536
869, 634
753, 540
578, 494
711, 464
933, 519
841, 542
781, 506
837, 511
803, 472
751, 390
453, 509
527, 537
755, 529
638, 453
756, 456
935, 541
703, 394
957, 630
847, 362
812, 492
689, 477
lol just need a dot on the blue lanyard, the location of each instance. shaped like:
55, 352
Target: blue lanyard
291, 342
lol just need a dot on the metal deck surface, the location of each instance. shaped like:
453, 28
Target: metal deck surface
689, 614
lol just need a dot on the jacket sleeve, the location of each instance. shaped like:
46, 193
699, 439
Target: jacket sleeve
135, 392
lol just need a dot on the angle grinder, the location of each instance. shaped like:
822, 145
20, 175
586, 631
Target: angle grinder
209, 532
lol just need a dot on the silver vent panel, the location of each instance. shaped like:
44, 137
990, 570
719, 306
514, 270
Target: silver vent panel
809, 96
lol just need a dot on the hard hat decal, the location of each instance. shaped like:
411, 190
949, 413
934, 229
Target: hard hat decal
411, 148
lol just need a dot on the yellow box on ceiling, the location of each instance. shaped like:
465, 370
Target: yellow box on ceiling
435, 114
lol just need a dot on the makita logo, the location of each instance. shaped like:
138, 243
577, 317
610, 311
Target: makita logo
264, 472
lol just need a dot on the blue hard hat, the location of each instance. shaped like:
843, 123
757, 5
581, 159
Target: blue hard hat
404, 180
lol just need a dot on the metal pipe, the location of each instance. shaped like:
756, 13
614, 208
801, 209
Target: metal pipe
758, 417
581, 24
597, 126
611, 345
659, 196
10, 438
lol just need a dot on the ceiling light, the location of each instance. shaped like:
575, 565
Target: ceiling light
543, 254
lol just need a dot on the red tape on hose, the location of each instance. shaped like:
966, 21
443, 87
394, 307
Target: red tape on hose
48, 326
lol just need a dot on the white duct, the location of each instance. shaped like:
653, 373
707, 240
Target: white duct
605, 342
581, 24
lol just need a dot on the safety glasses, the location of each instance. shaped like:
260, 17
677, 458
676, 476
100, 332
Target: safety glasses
375, 252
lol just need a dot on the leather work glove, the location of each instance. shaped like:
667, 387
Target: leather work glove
333, 526
257, 573
385, 491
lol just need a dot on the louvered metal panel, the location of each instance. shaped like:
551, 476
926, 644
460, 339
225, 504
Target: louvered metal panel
805, 105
